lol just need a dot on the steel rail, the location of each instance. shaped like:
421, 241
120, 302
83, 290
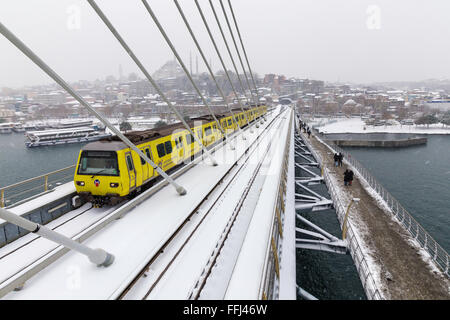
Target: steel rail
171, 238
231, 221
26, 273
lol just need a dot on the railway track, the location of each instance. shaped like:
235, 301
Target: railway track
54, 252
156, 268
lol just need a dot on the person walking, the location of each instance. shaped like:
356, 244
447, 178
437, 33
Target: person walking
336, 159
309, 133
346, 177
340, 158
350, 177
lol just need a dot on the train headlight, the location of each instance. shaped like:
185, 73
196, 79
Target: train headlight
113, 184
80, 183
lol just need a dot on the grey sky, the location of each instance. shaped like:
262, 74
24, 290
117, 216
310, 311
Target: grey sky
320, 39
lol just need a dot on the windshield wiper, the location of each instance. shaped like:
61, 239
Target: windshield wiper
98, 172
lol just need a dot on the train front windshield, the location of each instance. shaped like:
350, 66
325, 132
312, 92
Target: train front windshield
102, 163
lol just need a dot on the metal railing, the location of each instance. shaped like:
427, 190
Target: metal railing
15, 193
438, 255
366, 276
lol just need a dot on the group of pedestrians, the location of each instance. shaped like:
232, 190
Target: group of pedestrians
348, 174
338, 157
348, 177
305, 128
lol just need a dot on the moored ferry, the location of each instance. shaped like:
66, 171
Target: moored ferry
63, 136
5, 128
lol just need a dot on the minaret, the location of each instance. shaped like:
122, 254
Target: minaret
196, 62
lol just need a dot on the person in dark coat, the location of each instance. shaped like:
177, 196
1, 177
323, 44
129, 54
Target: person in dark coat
350, 177
336, 159
347, 176
309, 133
340, 158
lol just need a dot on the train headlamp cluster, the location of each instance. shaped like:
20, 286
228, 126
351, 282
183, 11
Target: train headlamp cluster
80, 183
114, 184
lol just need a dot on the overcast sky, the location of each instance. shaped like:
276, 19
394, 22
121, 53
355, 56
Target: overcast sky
348, 40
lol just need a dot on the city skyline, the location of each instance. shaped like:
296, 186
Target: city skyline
347, 41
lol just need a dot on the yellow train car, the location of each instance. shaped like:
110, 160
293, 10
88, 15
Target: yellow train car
108, 171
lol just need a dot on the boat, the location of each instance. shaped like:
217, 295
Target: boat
63, 136
5, 128
65, 124
18, 127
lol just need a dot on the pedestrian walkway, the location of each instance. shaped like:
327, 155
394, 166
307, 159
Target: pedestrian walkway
402, 271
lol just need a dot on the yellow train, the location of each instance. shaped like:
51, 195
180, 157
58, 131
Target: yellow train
108, 171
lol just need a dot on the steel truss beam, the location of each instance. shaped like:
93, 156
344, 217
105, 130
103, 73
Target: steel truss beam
310, 200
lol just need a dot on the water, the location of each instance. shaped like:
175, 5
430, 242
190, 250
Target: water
17, 162
419, 178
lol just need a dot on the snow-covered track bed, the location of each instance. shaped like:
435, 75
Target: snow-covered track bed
136, 231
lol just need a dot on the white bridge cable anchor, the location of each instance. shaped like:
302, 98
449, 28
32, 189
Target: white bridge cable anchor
97, 256
52, 74
149, 77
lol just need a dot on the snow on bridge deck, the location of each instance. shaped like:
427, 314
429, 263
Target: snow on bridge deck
394, 257
136, 237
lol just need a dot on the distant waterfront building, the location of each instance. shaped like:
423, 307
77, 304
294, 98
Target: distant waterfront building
441, 105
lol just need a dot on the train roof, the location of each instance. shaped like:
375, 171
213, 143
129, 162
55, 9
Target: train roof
113, 143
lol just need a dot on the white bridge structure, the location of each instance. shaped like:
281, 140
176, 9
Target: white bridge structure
232, 236
223, 226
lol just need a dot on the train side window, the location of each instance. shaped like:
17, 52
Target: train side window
130, 163
208, 131
142, 159
147, 152
161, 150
189, 139
168, 145
229, 122
180, 139
178, 143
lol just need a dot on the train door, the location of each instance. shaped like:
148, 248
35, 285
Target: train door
180, 149
145, 165
151, 171
190, 146
131, 171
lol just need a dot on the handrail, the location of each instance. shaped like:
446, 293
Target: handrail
31, 189
438, 255
366, 276
362, 266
